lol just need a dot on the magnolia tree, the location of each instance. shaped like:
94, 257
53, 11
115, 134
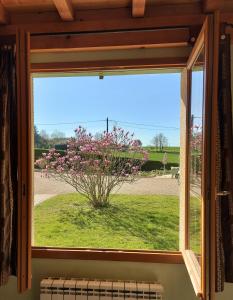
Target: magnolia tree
96, 166
196, 150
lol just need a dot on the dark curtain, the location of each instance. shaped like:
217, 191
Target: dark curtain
224, 170
8, 164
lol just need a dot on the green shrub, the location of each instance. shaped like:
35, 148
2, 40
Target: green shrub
61, 147
151, 165
39, 151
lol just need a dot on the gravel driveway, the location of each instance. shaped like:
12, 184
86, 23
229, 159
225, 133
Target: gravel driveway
45, 188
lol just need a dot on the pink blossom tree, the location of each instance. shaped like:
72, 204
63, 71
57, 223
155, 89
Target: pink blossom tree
196, 151
96, 166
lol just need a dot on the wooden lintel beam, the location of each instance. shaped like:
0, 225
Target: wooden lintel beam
113, 40
74, 66
65, 9
4, 17
138, 8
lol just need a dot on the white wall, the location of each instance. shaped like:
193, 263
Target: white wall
174, 277
227, 294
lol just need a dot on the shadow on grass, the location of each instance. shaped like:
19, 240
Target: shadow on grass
152, 219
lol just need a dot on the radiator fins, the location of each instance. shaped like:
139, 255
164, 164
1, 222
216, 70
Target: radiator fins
84, 289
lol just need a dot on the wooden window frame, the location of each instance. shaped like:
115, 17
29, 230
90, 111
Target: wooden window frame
108, 65
25, 125
203, 275
25, 167
195, 270
168, 257
156, 37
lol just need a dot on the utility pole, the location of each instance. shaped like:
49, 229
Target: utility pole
107, 124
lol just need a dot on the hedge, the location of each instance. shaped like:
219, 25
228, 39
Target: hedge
149, 165
61, 147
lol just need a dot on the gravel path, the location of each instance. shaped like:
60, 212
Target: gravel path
45, 188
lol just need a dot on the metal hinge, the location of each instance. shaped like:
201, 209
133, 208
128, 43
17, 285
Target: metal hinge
223, 193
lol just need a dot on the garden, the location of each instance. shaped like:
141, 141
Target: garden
130, 222
95, 215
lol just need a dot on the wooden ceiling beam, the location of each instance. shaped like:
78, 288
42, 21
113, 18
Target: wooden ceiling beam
4, 17
108, 20
212, 5
138, 8
65, 9
114, 40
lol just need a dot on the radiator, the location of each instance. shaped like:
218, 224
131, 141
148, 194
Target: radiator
85, 289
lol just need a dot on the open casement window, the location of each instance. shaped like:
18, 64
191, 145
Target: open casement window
197, 176
198, 115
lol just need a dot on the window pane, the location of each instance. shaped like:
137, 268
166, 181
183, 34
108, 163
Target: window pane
195, 156
119, 186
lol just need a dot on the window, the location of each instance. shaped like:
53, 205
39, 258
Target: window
198, 133
124, 194
199, 273
196, 155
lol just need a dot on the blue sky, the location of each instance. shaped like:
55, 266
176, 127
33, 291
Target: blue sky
145, 104
197, 97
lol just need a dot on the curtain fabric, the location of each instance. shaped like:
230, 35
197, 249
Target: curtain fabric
8, 164
224, 170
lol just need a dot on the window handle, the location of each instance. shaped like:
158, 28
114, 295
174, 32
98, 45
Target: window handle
223, 193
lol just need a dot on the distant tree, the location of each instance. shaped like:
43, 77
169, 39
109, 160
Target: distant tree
58, 138
56, 134
160, 141
37, 137
40, 141
139, 142
155, 142
163, 141
45, 139
44, 134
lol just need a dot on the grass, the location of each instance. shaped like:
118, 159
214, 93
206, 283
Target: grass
195, 225
130, 222
173, 154
174, 149
172, 157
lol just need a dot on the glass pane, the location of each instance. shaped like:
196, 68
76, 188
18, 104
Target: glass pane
106, 169
195, 155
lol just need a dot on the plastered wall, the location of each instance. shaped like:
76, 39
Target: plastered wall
173, 277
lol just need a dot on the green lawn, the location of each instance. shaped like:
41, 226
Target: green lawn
172, 157
130, 222
195, 225
166, 149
